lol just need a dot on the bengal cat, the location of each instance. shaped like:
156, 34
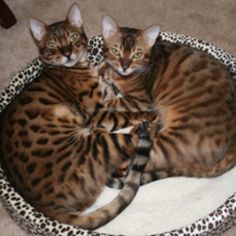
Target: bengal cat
128, 102
52, 158
127, 66
192, 94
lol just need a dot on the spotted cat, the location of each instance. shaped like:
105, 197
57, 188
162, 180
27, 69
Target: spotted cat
126, 53
192, 94
53, 159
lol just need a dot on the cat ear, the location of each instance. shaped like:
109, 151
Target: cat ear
150, 35
37, 28
74, 16
109, 27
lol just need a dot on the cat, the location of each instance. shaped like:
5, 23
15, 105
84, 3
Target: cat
53, 159
124, 105
127, 64
192, 94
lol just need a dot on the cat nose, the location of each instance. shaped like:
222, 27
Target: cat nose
125, 67
125, 64
67, 54
66, 51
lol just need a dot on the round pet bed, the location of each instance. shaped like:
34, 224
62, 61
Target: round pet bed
173, 206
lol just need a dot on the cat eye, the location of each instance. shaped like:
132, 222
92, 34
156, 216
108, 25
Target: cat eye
74, 36
115, 51
52, 45
137, 55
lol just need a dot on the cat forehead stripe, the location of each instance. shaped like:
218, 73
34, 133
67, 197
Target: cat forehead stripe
58, 30
129, 38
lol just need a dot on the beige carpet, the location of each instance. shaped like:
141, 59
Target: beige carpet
213, 21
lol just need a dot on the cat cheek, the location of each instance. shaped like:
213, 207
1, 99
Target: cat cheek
54, 57
118, 67
59, 57
113, 63
110, 55
46, 56
50, 60
63, 60
75, 49
51, 53
79, 50
117, 64
142, 63
74, 55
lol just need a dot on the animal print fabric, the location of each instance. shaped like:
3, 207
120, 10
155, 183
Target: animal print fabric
35, 223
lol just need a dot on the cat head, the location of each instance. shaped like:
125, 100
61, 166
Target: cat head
63, 43
127, 50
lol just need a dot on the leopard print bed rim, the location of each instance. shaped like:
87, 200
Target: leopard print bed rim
35, 223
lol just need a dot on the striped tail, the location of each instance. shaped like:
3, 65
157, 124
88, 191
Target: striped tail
105, 214
119, 182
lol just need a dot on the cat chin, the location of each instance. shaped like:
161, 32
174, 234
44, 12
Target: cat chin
118, 69
125, 73
70, 63
74, 60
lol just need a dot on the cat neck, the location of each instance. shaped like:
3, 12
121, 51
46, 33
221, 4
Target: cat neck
125, 83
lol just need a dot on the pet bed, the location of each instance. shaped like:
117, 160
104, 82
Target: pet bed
173, 206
